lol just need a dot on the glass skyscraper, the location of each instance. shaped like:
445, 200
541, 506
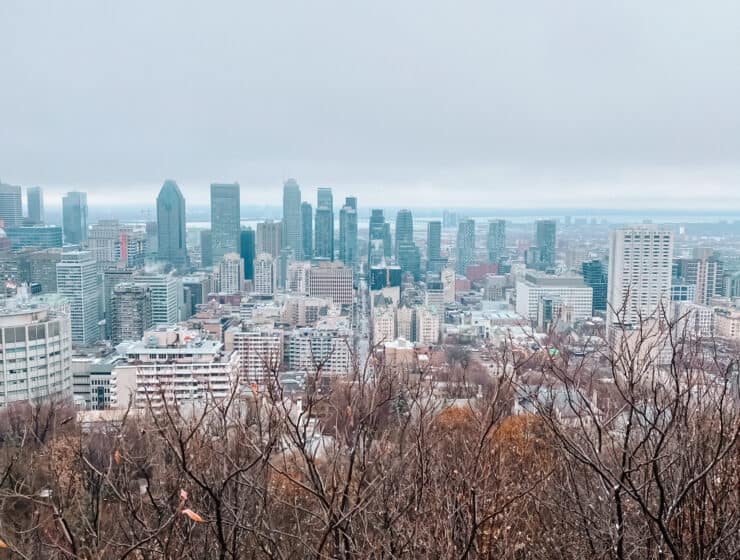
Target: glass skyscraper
247, 253
171, 240
35, 203
496, 240
307, 230
545, 241
225, 219
465, 245
324, 225
11, 206
348, 232
292, 231
74, 217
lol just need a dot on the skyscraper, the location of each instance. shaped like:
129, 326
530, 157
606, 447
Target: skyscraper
265, 274
225, 219
348, 232
206, 249
246, 246
545, 242
594, 274
231, 273
269, 238
77, 280
11, 206
292, 231
307, 230
35, 203
324, 226
131, 312
465, 244
167, 296
404, 228
376, 238
640, 259
496, 240
171, 240
435, 262
74, 217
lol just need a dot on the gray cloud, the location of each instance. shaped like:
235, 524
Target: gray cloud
562, 103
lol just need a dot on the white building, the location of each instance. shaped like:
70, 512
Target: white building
727, 323
166, 297
327, 349
406, 323
384, 323
331, 281
694, 319
298, 275
265, 274
571, 290
231, 273
36, 357
640, 259
260, 351
173, 365
427, 325
77, 280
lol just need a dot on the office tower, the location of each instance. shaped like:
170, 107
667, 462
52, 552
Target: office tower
74, 217
167, 296
103, 239
331, 281
131, 312
706, 272
571, 291
206, 249
434, 241
545, 242
41, 237
428, 325
199, 285
640, 259
292, 231
449, 219
385, 277
324, 224
465, 245
594, 274
376, 238
323, 244
231, 273
404, 228
247, 252
37, 353
387, 243
348, 232
171, 240
77, 280
269, 238
35, 203
409, 259
42, 268
112, 277
496, 240
307, 230
265, 274
11, 206
225, 219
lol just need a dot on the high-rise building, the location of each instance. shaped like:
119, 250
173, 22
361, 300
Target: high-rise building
324, 224
434, 240
131, 312
171, 238
706, 272
206, 249
42, 268
260, 352
465, 245
40, 236
409, 259
348, 232
307, 230
594, 274
269, 238
640, 259
322, 242
545, 242
572, 291
376, 238
225, 219
77, 280
74, 217
404, 228
37, 352
248, 252
292, 231
331, 281
112, 277
11, 206
265, 274
231, 273
167, 296
35, 204
496, 240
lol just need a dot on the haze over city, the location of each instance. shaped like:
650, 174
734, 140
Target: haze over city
627, 105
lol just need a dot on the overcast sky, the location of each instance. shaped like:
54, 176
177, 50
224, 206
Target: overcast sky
563, 103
